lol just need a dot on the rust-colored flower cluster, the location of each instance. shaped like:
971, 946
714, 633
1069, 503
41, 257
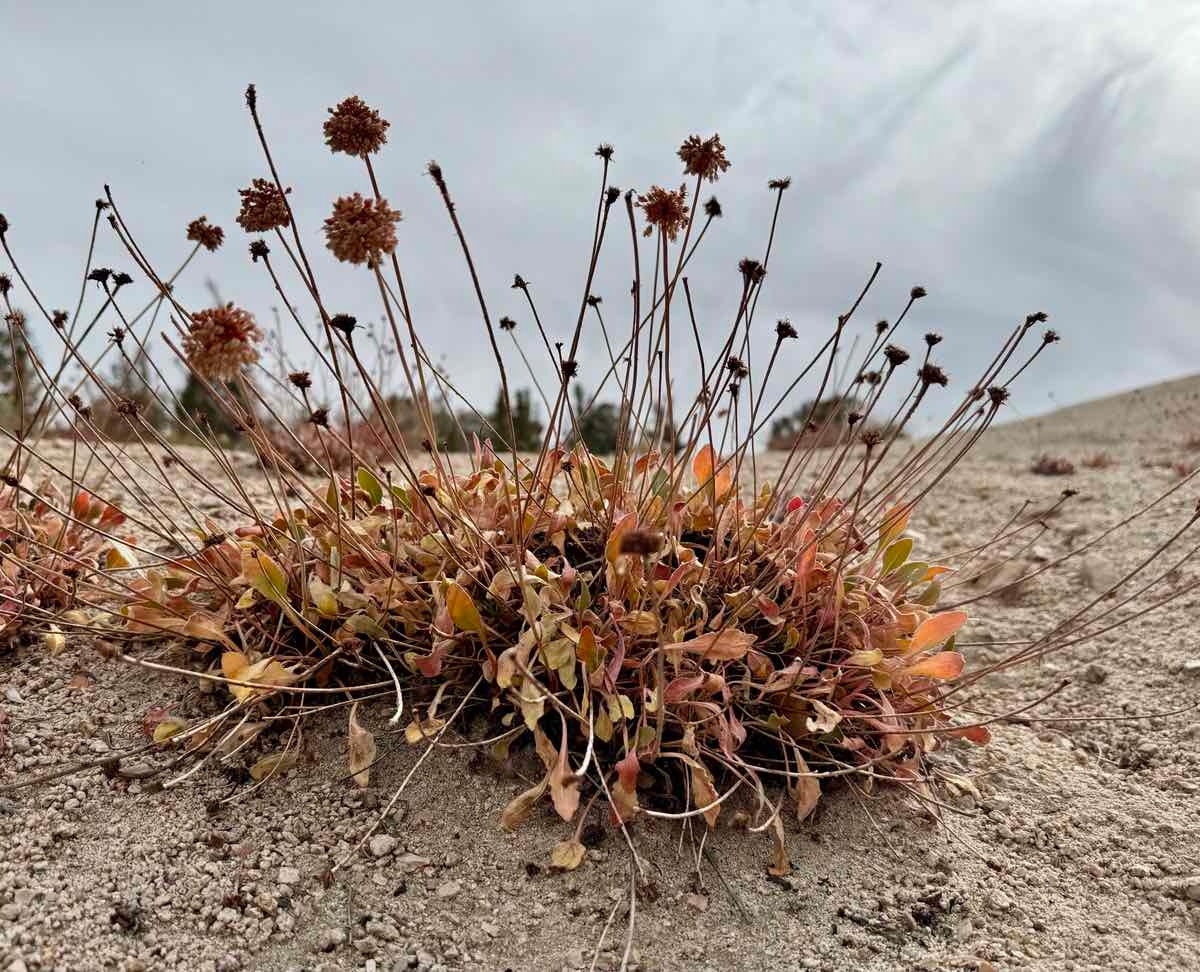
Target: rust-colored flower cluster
361, 230
355, 128
263, 207
704, 157
664, 209
201, 231
221, 341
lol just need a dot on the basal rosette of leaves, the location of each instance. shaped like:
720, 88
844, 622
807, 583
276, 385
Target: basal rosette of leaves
49, 549
635, 624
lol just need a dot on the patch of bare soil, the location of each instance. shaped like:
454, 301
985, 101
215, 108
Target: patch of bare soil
1076, 845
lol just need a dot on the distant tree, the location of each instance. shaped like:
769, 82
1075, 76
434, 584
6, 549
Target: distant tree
16, 372
826, 423
196, 403
597, 427
527, 428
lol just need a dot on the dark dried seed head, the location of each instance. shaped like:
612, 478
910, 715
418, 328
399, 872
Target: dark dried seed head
871, 438
604, 151
933, 339
507, 324
5, 283
59, 319
118, 335
1050, 337
780, 184
712, 208
611, 195
519, 282
320, 418
1036, 318
344, 323
100, 275
570, 368
917, 293
896, 356
121, 280
752, 270
931, 374
258, 249
881, 326
301, 379
127, 406
640, 543
784, 329
998, 395
594, 301
853, 419
872, 378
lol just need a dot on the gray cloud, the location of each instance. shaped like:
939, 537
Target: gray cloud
1010, 157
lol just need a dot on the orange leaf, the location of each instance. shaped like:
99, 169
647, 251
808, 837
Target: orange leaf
704, 467
944, 665
895, 521
462, 609
935, 630
727, 645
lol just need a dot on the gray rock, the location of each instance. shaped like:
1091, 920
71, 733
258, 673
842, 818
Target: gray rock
381, 845
451, 889
332, 938
289, 875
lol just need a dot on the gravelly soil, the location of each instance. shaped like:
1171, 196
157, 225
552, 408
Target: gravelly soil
1080, 849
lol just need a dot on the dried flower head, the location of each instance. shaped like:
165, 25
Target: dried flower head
784, 329
121, 279
361, 230
998, 395
259, 248
128, 407
3, 224
59, 319
118, 335
611, 195
5, 283
881, 326
100, 275
220, 341
594, 301
712, 208
780, 184
752, 271
15, 318
301, 380
737, 367
931, 374
896, 356
344, 323
507, 324
666, 210
872, 378
519, 282
1038, 317
201, 231
703, 157
640, 543
263, 207
319, 417
917, 293
933, 339
570, 368
604, 151
354, 127
1050, 337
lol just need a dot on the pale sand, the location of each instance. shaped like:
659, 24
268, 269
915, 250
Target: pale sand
1082, 852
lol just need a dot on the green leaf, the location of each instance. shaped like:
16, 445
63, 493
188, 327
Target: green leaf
896, 554
370, 485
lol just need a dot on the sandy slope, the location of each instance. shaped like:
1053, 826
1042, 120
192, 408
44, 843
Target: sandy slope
1081, 850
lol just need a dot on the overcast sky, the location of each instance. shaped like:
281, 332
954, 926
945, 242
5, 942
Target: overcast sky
1010, 157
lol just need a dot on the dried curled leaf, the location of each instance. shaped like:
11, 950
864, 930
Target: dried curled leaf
362, 749
274, 765
728, 645
567, 855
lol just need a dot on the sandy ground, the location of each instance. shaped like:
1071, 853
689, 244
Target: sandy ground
1081, 849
